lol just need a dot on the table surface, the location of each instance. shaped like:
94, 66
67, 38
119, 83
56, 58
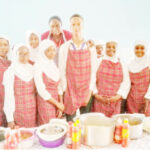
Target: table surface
142, 143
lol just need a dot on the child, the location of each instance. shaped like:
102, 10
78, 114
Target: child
77, 64
47, 78
33, 41
139, 95
113, 82
4, 64
20, 99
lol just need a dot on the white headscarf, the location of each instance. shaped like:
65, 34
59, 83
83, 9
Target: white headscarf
113, 59
138, 64
46, 65
23, 71
33, 51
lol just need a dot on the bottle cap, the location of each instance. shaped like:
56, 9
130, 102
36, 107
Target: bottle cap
125, 120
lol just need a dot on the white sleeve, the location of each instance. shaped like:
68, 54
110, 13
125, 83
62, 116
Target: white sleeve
9, 97
63, 52
126, 83
40, 86
60, 92
95, 91
147, 95
93, 68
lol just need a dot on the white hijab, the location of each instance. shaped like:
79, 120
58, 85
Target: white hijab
138, 64
113, 59
33, 51
46, 65
23, 71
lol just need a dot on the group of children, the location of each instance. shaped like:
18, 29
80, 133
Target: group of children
36, 87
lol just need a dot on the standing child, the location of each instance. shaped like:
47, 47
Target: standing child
33, 41
113, 82
20, 99
77, 64
139, 96
4, 64
47, 78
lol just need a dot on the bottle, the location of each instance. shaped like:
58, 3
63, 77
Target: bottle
75, 136
79, 126
118, 132
125, 133
69, 136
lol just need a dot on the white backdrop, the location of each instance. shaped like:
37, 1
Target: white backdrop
121, 20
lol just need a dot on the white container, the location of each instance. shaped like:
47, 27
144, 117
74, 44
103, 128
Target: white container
135, 131
98, 130
27, 143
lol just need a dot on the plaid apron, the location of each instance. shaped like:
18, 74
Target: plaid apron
25, 103
78, 79
47, 111
4, 64
109, 78
139, 86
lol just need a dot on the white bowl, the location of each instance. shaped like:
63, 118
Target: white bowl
146, 126
46, 137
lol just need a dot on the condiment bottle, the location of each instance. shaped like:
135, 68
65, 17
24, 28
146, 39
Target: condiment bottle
125, 133
69, 136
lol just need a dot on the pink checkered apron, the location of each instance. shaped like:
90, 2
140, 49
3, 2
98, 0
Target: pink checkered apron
4, 64
25, 103
47, 111
78, 78
139, 86
109, 78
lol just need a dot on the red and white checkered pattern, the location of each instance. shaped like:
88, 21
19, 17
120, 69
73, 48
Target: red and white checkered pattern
47, 111
109, 78
139, 86
78, 79
25, 103
4, 64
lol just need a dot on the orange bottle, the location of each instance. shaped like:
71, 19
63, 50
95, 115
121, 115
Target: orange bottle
125, 133
69, 136
118, 132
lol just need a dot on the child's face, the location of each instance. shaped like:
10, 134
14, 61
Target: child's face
139, 50
55, 27
34, 40
4, 47
111, 49
50, 52
23, 55
76, 25
99, 49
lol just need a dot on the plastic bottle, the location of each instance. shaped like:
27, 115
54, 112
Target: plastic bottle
125, 133
75, 136
69, 136
118, 132
79, 126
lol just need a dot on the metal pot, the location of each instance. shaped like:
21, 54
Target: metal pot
97, 130
135, 124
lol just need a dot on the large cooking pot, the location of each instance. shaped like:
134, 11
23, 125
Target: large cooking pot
97, 130
135, 124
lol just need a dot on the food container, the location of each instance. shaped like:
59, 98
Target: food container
51, 135
146, 126
26, 138
98, 130
135, 124
2, 137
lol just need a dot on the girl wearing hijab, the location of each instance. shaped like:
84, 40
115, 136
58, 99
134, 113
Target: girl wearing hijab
33, 41
47, 78
20, 99
139, 95
4, 64
113, 82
